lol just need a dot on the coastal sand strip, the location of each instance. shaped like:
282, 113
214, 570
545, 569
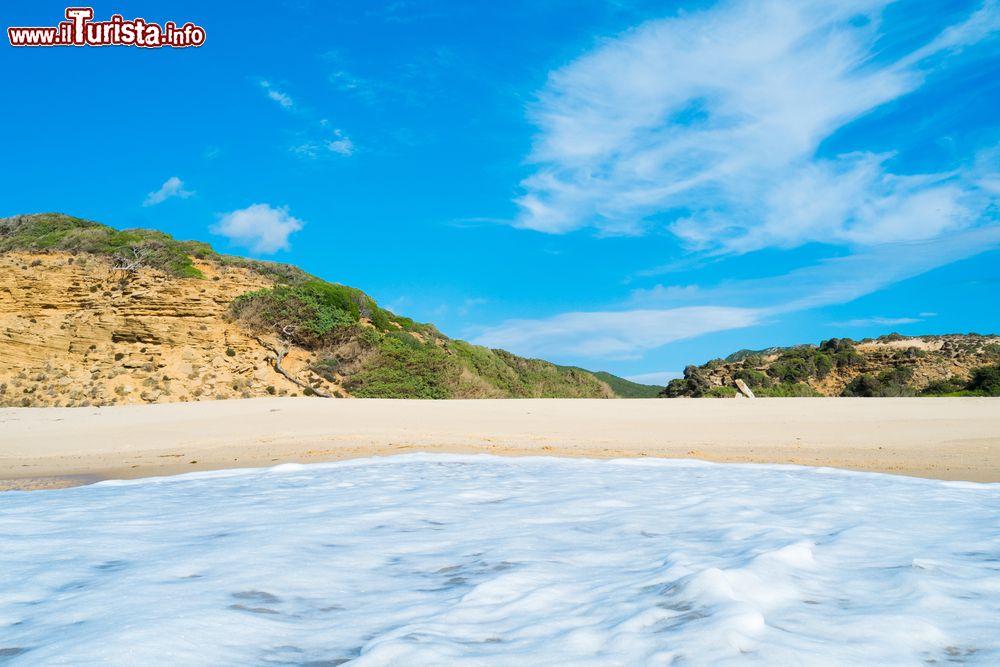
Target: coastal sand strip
946, 438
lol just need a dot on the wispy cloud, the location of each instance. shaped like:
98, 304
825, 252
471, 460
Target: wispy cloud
337, 143
613, 334
340, 144
710, 124
656, 316
172, 187
877, 321
831, 281
260, 227
278, 96
318, 137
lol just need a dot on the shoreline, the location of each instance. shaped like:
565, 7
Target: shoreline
940, 438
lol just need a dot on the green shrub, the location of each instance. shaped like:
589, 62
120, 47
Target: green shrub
986, 381
326, 368
676, 388
305, 314
787, 390
754, 379
720, 392
55, 231
841, 352
804, 363
893, 382
864, 385
369, 336
402, 369
697, 380
338, 297
943, 387
791, 369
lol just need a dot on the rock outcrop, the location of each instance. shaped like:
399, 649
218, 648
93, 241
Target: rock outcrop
911, 364
72, 332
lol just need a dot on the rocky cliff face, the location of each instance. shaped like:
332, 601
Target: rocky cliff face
72, 332
913, 363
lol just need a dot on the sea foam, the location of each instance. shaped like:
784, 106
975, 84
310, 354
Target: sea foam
476, 560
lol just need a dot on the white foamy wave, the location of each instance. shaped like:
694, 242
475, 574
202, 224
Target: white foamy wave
432, 560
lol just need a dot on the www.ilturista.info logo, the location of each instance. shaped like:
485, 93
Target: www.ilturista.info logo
79, 29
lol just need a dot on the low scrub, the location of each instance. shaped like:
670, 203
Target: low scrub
306, 315
54, 231
893, 382
984, 381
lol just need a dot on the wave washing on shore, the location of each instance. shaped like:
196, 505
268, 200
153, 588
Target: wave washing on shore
421, 560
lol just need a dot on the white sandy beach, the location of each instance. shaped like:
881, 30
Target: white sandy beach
945, 438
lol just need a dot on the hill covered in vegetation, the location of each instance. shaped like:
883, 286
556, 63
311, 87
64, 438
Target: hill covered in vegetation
893, 365
92, 315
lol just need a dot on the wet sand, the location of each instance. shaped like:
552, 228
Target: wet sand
944, 438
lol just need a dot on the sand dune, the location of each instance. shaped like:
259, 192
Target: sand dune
947, 438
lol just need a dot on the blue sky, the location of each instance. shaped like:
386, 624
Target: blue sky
630, 186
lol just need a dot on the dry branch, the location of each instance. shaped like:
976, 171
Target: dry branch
280, 354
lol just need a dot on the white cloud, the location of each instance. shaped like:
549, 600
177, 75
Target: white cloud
831, 281
172, 187
281, 98
710, 123
664, 293
308, 149
317, 139
314, 149
260, 227
341, 145
663, 314
612, 334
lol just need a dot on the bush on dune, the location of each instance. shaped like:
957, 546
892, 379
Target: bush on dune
404, 368
787, 390
304, 315
986, 380
893, 382
54, 231
720, 392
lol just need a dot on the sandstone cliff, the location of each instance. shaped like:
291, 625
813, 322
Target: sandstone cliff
71, 333
91, 315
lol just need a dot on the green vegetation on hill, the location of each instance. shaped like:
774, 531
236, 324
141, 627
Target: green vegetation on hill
626, 388
58, 232
985, 381
369, 351
393, 356
838, 367
55, 231
402, 366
